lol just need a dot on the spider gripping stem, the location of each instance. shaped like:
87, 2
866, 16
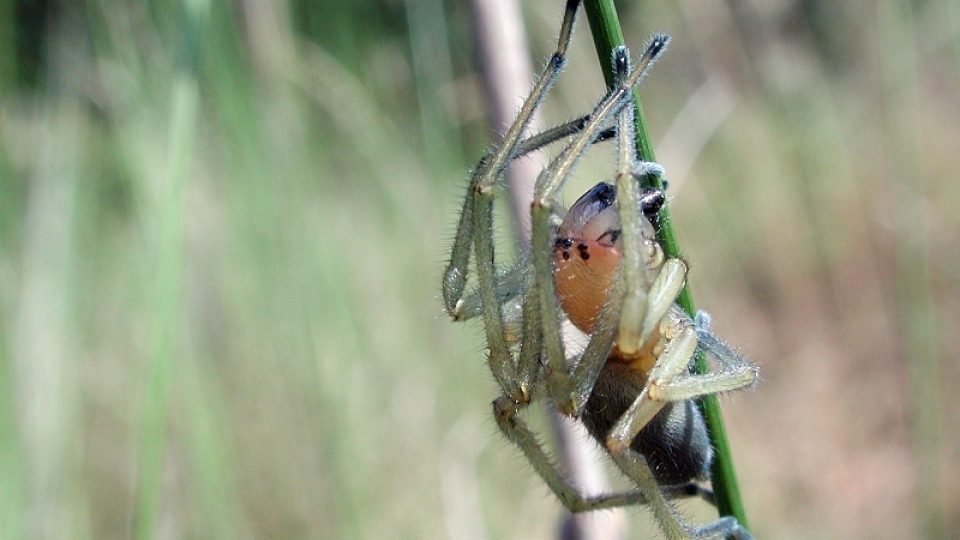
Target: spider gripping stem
638, 310
476, 223
570, 393
506, 412
638, 314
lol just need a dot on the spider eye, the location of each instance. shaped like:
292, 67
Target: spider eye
588, 206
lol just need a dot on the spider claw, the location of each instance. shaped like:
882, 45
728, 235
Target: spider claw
658, 43
621, 62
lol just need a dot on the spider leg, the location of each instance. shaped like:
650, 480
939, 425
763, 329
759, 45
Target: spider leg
635, 466
506, 411
571, 393
544, 217
670, 379
631, 220
727, 358
695, 385
732, 373
672, 361
670, 367
479, 218
556, 133
520, 318
643, 307
508, 284
491, 167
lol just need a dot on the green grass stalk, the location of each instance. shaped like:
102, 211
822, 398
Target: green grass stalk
167, 286
607, 34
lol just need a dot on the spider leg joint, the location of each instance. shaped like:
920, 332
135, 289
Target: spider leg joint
616, 445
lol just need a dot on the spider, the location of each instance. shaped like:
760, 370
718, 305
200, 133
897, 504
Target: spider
600, 266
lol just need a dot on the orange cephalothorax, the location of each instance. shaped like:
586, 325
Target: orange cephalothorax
587, 255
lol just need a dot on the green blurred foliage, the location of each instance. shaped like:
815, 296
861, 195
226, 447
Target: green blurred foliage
222, 227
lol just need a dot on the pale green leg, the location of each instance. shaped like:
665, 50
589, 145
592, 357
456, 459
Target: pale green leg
506, 412
674, 359
671, 521
727, 358
491, 166
480, 197
672, 363
670, 378
632, 229
567, 388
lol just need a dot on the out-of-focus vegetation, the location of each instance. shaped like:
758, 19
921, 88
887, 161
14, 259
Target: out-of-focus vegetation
222, 226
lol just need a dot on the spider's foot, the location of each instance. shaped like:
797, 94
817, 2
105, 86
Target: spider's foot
456, 313
725, 527
701, 321
621, 61
644, 168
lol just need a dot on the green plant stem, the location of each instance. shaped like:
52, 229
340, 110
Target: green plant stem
607, 34
166, 213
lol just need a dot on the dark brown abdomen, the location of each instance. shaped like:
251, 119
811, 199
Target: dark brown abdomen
675, 443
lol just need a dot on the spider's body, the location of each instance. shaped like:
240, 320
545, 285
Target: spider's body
587, 255
586, 261
600, 266
674, 443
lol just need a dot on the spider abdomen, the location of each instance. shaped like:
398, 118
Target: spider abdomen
675, 443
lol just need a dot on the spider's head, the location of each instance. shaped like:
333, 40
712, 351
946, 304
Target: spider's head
588, 249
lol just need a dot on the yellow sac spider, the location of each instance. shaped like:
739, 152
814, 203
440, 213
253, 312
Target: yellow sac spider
599, 265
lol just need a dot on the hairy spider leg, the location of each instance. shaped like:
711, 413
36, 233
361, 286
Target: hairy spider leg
491, 166
668, 376
585, 370
732, 371
570, 389
645, 317
476, 227
637, 322
574, 387
512, 282
506, 411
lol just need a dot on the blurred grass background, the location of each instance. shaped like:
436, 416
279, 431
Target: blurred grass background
222, 226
